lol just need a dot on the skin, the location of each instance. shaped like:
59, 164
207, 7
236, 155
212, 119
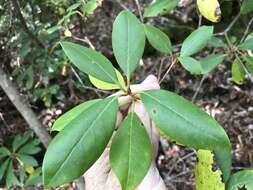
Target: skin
100, 176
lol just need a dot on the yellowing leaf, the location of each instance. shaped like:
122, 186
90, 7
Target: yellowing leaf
108, 86
29, 169
206, 178
210, 9
67, 33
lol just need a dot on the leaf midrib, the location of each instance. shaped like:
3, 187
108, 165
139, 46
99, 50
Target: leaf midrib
73, 147
130, 152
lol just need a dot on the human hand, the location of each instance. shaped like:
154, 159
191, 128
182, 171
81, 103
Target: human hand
100, 176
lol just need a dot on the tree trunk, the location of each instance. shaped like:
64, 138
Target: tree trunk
11, 91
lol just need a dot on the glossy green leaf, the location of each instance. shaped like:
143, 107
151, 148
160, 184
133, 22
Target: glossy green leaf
108, 86
90, 62
128, 41
180, 120
196, 41
80, 144
3, 168
205, 177
241, 179
247, 44
160, 7
247, 6
67, 118
190, 64
249, 63
210, 62
238, 72
158, 39
130, 153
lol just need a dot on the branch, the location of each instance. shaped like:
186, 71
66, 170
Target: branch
27, 113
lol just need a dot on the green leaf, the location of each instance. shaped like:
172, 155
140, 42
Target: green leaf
247, 6
108, 86
67, 118
217, 43
29, 77
128, 41
180, 120
4, 152
206, 178
27, 160
90, 62
3, 168
196, 41
20, 140
249, 63
241, 179
130, 153
11, 179
53, 29
34, 178
29, 148
73, 7
80, 144
191, 65
160, 7
210, 62
158, 39
247, 44
90, 6
238, 72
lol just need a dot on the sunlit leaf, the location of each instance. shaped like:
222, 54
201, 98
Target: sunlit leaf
210, 9
205, 177
108, 86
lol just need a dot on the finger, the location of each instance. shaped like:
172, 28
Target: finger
153, 180
150, 79
150, 83
119, 119
148, 124
96, 176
